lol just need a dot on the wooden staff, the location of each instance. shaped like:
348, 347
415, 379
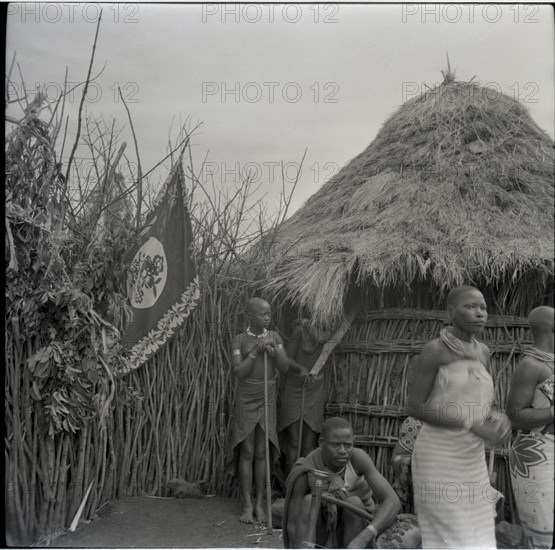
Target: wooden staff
310, 536
359, 511
300, 442
267, 446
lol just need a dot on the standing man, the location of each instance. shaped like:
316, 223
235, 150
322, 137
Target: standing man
248, 438
302, 399
530, 407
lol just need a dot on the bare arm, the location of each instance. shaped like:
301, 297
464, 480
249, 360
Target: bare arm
296, 529
526, 377
241, 368
390, 504
292, 348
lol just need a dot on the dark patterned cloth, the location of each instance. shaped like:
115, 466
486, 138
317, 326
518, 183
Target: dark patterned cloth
408, 433
403, 480
402, 533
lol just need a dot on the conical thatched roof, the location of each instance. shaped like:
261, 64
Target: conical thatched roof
456, 187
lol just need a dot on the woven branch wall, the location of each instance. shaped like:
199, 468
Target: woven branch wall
366, 378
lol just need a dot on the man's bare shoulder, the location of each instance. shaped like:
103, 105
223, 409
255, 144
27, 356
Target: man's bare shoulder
532, 369
531, 362
361, 461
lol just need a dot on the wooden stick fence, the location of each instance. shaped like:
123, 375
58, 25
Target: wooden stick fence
171, 417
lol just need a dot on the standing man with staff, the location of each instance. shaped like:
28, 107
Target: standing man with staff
256, 354
302, 402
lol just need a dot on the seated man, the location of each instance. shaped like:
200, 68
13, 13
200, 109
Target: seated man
353, 478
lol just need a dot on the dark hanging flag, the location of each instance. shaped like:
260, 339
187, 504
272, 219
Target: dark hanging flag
162, 284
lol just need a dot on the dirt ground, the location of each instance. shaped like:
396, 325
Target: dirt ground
147, 522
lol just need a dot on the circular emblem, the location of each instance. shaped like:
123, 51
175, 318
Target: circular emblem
147, 274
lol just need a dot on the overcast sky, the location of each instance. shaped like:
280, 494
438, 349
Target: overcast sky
268, 82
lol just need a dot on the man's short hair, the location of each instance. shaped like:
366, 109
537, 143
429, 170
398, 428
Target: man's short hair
455, 294
334, 423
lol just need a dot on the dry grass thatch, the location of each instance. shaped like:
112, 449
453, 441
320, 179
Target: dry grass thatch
456, 187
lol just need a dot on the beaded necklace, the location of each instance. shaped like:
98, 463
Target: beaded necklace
464, 349
540, 355
259, 336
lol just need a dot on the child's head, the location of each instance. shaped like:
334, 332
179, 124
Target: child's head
258, 313
467, 309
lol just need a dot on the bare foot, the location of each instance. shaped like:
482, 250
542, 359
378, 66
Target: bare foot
259, 512
246, 516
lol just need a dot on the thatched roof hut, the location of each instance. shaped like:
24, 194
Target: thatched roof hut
456, 187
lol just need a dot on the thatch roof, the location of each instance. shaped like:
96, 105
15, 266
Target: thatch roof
456, 187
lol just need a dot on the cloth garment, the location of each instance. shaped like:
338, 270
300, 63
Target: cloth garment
408, 431
249, 412
453, 497
532, 470
402, 484
291, 403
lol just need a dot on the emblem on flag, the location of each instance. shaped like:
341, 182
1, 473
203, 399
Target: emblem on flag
162, 284
147, 274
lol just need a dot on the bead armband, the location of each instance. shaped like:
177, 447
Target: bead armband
372, 530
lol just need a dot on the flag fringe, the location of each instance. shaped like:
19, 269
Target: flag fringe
165, 328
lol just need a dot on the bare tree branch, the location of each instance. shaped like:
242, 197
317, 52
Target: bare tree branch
139, 170
85, 89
